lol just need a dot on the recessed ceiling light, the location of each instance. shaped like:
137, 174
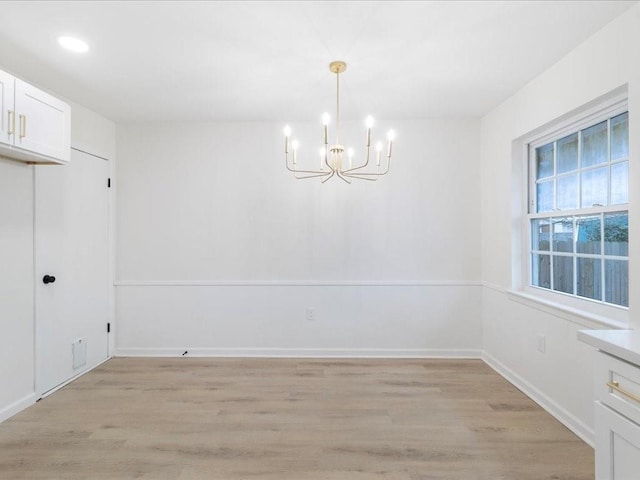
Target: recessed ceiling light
74, 44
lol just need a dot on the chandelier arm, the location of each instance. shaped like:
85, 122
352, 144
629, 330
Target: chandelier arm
326, 156
356, 168
331, 175
286, 160
359, 167
312, 172
361, 178
379, 174
366, 174
295, 171
311, 176
315, 173
343, 177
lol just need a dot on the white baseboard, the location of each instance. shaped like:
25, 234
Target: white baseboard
78, 375
18, 406
297, 283
559, 413
299, 352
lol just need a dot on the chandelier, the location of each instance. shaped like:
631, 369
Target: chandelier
333, 161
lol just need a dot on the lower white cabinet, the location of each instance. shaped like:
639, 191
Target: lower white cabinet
617, 402
617, 445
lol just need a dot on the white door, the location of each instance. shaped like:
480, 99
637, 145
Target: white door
72, 267
42, 122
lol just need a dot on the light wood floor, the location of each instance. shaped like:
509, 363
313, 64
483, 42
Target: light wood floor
290, 419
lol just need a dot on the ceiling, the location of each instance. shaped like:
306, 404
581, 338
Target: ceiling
268, 60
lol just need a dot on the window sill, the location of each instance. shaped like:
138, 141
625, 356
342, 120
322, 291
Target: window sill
571, 314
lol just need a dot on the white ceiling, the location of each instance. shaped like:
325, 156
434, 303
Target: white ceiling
201, 61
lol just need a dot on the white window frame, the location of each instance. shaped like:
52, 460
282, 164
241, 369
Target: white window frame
597, 310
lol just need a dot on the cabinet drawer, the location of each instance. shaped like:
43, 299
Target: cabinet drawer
618, 385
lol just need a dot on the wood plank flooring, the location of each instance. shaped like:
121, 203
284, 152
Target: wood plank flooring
290, 419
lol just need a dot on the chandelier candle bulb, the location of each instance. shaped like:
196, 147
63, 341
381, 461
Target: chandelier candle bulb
369, 123
287, 133
379, 153
325, 122
390, 136
294, 146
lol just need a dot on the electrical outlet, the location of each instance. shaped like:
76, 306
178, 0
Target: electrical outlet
311, 314
541, 343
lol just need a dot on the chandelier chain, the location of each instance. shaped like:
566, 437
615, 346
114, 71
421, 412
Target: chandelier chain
337, 107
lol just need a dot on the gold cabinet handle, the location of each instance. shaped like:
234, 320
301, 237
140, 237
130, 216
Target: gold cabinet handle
23, 126
12, 122
616, 386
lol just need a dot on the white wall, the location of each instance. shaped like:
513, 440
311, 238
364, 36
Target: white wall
16, 287
91, 133
221, 250
561, 377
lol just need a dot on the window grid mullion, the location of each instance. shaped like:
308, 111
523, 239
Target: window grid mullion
551, 255
602, 260
581, 255
621, 207
533, 172
579, 169
555, 176
574, 232
609, 161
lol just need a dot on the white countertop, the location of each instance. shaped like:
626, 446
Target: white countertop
624, 344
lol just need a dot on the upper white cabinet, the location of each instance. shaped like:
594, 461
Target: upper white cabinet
7, 97
35, 126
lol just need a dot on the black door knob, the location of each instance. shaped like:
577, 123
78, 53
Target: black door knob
48, 279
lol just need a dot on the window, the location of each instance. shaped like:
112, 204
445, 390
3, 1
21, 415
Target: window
578, 210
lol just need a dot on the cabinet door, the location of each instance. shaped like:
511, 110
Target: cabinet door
617, 445
43, 122
7, 120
